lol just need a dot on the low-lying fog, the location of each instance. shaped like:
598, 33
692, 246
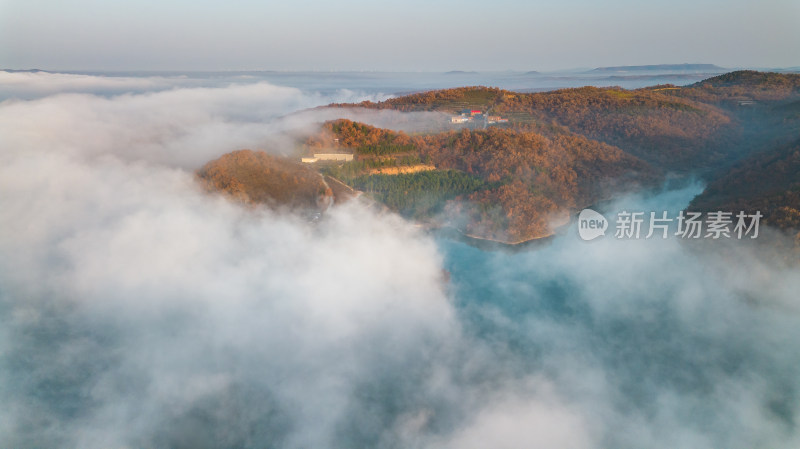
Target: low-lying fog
138, 311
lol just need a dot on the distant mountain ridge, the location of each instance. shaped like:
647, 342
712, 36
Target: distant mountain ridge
662, 67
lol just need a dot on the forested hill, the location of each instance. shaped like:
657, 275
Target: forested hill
257, 177
768, 182
500, 184
745, 85
690, 129
666, 131
514, 166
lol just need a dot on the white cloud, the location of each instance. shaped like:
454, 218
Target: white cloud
30, 85
106, 232
138, 311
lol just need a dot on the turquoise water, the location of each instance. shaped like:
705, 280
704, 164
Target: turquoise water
656, 330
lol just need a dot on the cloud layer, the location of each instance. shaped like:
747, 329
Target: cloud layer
138, 311
134, 304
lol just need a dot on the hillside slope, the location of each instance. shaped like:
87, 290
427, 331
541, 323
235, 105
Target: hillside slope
768, 182
667, 131
744, 85
501, 184
257, 177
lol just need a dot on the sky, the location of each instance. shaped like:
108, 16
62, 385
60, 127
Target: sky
413, 35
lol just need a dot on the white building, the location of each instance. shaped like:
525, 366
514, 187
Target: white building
344, 157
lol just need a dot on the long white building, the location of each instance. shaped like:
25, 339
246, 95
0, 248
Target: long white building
342, 157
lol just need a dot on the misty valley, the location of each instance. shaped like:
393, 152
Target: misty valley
307, 260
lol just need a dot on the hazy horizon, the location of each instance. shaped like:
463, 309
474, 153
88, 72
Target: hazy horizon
577, 70
354, 35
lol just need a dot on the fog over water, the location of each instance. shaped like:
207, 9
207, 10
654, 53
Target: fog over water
138, 311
